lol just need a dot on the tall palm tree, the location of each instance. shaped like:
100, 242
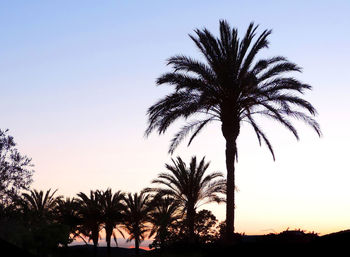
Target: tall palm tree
90, 212
230, 87
163, 216
190, 187
40, 205
136, 216
112, 209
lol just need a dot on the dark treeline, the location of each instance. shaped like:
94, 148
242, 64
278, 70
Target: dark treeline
40, 222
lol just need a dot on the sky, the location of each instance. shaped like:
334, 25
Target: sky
76, 79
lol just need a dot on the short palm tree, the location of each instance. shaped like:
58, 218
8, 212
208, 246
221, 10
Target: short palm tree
164, 215
67, 214
230, 87
91, 216
136, 215
190, 187
40, 205
112, 209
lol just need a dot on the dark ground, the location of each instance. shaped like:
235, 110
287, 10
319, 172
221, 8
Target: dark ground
7, 249
289, 244
86, 251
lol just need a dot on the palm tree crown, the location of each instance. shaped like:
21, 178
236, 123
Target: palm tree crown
164, 214
67, 214
190, 186
40, 205
232, 87
137, 208
112, 213
90, 212
229, 88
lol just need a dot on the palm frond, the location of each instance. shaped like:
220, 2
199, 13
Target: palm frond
197, 126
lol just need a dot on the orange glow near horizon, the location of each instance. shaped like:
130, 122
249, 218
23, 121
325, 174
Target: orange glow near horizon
141, 247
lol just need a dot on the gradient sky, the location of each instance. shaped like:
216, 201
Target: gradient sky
77, 77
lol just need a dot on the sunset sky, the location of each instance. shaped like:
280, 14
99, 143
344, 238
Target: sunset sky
77, 77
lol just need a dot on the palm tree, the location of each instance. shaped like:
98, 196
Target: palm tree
112, 208
190, 187
135, 217
39, 209
67, 213
230, 87
163, 216
39, 205
90, 212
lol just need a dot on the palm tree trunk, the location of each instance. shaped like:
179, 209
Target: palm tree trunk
108, 246
95, 249
137, 245
108, 239
230, 204
162, 234
162, 243
190, 222
230, 131
95, 241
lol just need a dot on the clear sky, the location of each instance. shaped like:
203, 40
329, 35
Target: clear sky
76, 79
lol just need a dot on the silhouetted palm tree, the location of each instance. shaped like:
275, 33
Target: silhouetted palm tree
112, 208
90, 211
163, 216
191, 187
67, 213
39, 205
135, 217
230, 87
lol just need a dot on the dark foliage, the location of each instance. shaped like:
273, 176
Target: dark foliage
15, 170
206, 227
206, 231
91, 216
32, 225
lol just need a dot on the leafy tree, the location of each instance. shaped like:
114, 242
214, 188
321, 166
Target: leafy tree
190, 187
112, 209
206, 230
15, 170
206, 227
136, 216
232, 88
